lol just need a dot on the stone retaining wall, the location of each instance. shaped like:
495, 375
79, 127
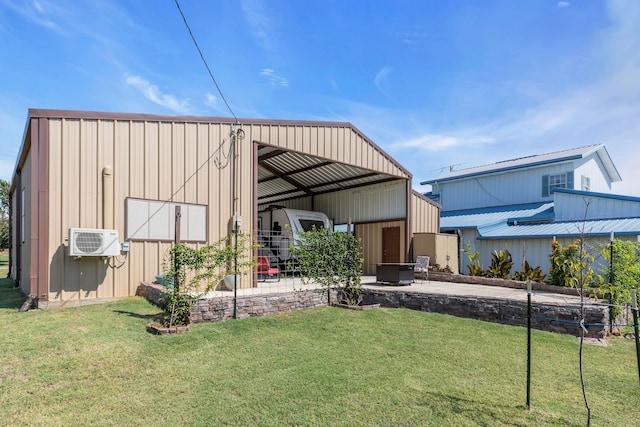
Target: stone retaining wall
504, 283
487, 309
497, 310
221, 308
217, 309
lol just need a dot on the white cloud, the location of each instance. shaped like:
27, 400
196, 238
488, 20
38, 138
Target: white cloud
381, 79
152, 92
255, 12
41, 12
563, 4
435, 142
273, 78
210, 100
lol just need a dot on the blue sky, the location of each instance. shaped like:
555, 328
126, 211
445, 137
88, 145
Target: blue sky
459, 82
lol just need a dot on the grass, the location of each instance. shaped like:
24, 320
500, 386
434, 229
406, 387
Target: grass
328, 366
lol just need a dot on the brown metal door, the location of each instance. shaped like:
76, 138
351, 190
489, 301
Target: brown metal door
390, 244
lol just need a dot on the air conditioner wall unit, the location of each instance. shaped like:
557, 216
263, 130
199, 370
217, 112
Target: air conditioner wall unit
93, 242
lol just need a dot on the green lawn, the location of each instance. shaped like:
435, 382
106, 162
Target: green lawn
387, 367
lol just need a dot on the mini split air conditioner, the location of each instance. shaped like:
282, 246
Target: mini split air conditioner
93, 242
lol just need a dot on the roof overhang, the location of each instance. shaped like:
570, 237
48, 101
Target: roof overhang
285, 175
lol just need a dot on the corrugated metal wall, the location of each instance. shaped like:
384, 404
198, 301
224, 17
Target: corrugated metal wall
521, 186
303, 203
573, 207
425, 216
535, 251
150, 160
371, 235
24, 196
340, 144
168, 161
371, 203
592, 168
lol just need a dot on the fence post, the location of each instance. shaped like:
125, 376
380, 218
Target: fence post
528, 344
634, 299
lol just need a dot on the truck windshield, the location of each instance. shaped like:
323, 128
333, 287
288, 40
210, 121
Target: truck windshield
309, 224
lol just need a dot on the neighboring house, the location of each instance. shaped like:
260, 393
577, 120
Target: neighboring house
523, 204
155, 178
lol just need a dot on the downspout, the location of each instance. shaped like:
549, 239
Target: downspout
107, 197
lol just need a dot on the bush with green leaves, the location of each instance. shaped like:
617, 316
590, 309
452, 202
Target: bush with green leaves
501, 263
626, 273
529, 274
332, 260
195, 271
570, 265
474, 267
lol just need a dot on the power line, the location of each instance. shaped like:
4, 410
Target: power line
205, 62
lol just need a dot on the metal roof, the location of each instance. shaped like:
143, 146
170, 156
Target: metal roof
483, 217
284, 175
535, 160
596, 228
595, 194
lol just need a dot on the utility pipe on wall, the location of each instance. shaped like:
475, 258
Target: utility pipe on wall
107, 197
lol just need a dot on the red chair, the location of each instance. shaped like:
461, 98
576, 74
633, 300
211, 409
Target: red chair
265, 270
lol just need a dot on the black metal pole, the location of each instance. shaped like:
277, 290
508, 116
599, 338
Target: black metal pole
611, 316
636, 328
235, 267
235, 224
528, 344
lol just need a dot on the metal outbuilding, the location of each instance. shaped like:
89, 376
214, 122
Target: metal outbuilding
131, 172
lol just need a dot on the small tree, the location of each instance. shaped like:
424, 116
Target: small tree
192, 272
626, 273
333, 260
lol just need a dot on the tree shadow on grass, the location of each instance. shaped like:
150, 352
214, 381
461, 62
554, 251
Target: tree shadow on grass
10, 297
138, 315
486, 413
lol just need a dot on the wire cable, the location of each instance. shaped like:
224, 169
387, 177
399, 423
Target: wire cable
205, 62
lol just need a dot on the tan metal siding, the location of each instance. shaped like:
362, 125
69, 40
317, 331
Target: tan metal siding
25, 250
364, 204
150, 160
161, 159
425, 216
371, 235
342, 145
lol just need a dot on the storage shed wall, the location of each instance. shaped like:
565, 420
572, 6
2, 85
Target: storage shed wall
441, 248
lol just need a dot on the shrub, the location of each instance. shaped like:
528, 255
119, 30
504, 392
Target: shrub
570, 266
474, 267
626, 273
333, 260
528, 273
501, 264
196, 271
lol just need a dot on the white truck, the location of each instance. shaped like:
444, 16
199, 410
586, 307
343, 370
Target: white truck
278, 230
